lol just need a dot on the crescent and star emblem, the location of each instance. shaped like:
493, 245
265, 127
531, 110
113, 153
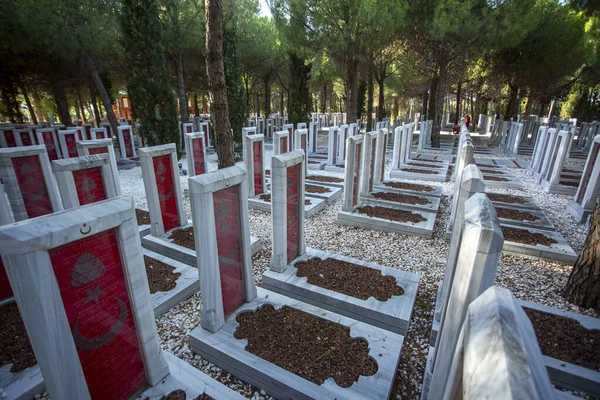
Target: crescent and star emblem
88, 185
161, 169
33, 190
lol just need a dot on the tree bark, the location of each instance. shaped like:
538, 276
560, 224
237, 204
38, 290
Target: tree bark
81, 105
37, 103
583, 286
106, 101
62, 105
370, 95
438, 104
196, 110
97, 115
511, 106
381, 98
77, 110
213, 10
324, 110
425, 104
267, 80
29, 106
473, 126
458, 98
431, 110
352, 88
183, 108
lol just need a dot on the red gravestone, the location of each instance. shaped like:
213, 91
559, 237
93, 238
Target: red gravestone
335, 146
314, 139
127, 142
303, 143
71, 142
229, 244
98, 150
88, 183
166, 191
293, 224
258, 167
100, 135
88, 132
5, 289
382, 160
9, 134
26, 138
198, 152
356, 174
283, 145
189, 129
372, 171
92, 287
30, 177
48, 138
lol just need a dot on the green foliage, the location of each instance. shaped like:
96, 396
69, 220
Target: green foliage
233, 71
147, 76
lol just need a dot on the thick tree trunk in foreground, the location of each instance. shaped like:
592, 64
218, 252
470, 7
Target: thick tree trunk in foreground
381, 98
62, 105
352, 89
583, 286
106, 101
216, 82
183, 107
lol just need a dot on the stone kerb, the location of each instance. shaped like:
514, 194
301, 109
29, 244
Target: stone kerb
47, 137
54, 263
255, 165
332, 145
352, 171
497, 354
379, 172
281, 142
27, 178
101, 146
195, 150
219, 202
287, 191
126, 141
480, 251
85, 180
163, 187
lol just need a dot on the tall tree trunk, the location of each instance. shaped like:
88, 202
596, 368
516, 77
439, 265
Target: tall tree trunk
37, 103
62, 105
431, 110
381, 97
103, 93
472, 112
352, 88
183, 106
213, 10
324, 110
258, 104
77, 110
196, 110
583, 286
425, 103
97, 115
511, 106
29, 106
267, 96
438, 103
281, 102
81, 105
458, 100
370, 95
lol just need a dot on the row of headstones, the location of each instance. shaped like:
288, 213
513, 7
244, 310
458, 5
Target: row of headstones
402, 145
586, 134
425, 128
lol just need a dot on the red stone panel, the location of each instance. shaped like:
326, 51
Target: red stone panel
100, 135
26, 138
30, 177
229, 244
293, 211
356, 174
48, 138
9, 134
372, 172
198, 151
98, 150
71, 142
90, 276
127, 142
89, 185
88, 132
283, 145
205, 130
5, 289
303, 143
166, 191
258, 167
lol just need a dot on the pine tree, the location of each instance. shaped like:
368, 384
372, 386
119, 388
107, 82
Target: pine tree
233, 72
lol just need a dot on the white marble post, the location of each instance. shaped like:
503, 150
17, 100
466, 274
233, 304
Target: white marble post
369, 160
282, 185
24, 137
255, 164
313, 128
99, 133
589, 187
126, 141
290, 130
558, 157
5, 214
408, 136
158, 198
398, 147
204, 126
352, 171
195, 153
517, 138
7, 137
464, 159
27, 178
219, 202
379, 173
35, 251
270, 128
260, 125
422, 135
497, 354
301, 138
476, 266
352, 129
343, 134
546, 159
188, 127
281, 142
85, 180
90, 147
538, 148
47, 137
332, 145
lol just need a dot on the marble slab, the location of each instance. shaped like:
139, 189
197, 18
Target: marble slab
436, 192
356, 219
393, 315
314, 207
222, 349
336, 184
511, 183
433, 206
329, 197
542, 223
333, 168
23, 385
558, 252
317, 165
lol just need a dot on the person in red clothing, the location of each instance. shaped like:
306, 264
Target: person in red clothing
467, 120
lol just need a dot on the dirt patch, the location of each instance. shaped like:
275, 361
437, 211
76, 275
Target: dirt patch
391, 214
571, 171
306, 345
516, 214
400, 198
491, 171
267, 198
419, 171
340, 165
143, 217
494, 178
526, 237
409, 186
184, 237
566, 339
506, 198
487, 166
204, 396
348, 278
161, 277
572, 184
420, 165
314, 162
15, 348
316, 189
320, 178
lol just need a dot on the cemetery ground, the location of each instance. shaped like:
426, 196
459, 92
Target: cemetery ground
528, 279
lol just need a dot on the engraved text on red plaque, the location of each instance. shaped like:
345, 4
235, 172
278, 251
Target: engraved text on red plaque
356, 174
166, 191
33, 186
293, 211
258, 167
26, 138
88, 183
98, 150
127, 142
9, 134
48, 138
198, 150
71, 142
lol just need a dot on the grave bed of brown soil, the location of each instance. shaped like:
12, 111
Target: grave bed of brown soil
506, 198
420, 165
306, 345
566, 339
161, 277
434, 161
313, 162
409, 186
400, 198
340, 165
515, 214
571, 171
348, 278
184, 237
419, 171
267, 197
572, 184
15, 348
320, 178
526, 237
487, 166
391, 214
491, 171
143, 217
316, 189
180, 395
494, 178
